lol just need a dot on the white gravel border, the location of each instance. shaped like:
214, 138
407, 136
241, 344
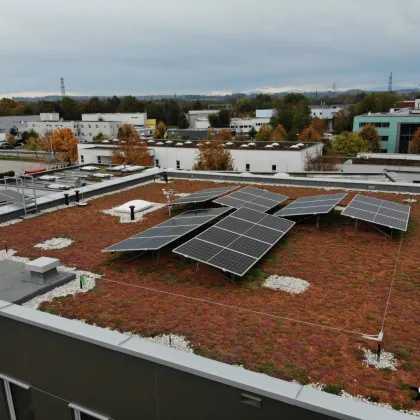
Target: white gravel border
290, 285
54, 243
71, 288
386, 361
126, 218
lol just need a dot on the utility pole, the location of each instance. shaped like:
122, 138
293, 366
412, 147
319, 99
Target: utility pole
63, 89
390, 83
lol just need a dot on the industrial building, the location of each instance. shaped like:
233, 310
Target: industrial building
91, 124
248, 157
17, 122
396, 128
243, 126
197, 118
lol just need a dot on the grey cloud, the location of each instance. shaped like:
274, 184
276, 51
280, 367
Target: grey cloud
183, 46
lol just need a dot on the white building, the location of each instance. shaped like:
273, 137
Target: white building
138, 119
244, 125
194, 115
264, 113
248, 157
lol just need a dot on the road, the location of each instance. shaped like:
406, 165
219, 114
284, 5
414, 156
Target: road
20, 166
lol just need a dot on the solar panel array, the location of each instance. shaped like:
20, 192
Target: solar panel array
252, 198
203, 195
237, 242
380, 212
167, 232
320, 204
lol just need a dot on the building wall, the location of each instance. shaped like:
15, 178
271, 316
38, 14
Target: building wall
391, 132
20, 122
193, 116
259, 160
264, 113
244, 125
42, 127
136, 118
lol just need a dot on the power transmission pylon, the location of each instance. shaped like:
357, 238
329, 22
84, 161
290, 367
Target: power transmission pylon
63, 89
390, 83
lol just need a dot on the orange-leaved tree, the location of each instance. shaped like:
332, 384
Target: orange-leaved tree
224, 135
415, 143
310, 134
64, 142
131, 149
370, 134
11, 139
160, 131
279, 134
319, 125
212, 156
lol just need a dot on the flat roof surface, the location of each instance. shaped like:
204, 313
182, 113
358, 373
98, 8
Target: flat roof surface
315, 336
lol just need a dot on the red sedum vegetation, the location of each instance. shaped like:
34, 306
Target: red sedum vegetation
349, 274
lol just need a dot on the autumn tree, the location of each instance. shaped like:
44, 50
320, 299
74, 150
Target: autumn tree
265, 133
212, 156
65, 143
370, 134
131, 149
160, 131
309, 134
278, 134
224, 135
11, 140
320, 125
349, 144
343, 120
415, 143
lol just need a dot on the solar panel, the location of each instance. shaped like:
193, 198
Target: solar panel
203, 195
236, 243
381, 212
252, 198
320, 204
167, 232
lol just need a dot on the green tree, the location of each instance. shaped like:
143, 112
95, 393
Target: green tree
197, 105
370, 134
171, 111
155, 111
252, 132
132, 104
265, 133
183, 121
225, 117
377, 102
33, 144
349, 144
415, 143
101, 137
212, 156
70, 109
214, 121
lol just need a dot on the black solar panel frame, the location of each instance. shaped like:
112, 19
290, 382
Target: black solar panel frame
203, 195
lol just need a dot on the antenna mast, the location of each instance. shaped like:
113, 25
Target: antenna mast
390, 83
63, 89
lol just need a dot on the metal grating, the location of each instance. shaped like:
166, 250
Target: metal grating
381, 212
320, 204
203, 195
236, 243
252, 198
157, 237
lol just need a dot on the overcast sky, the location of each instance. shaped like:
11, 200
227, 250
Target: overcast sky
104, 47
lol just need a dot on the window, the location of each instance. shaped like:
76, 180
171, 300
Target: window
82, 159
178, 164
90, 134
157, 162
19, 399
83, 134
83, 126
80, 413
274, 167
384, 138
89, 126
99, 159
384, 150
247, 167
97, 126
